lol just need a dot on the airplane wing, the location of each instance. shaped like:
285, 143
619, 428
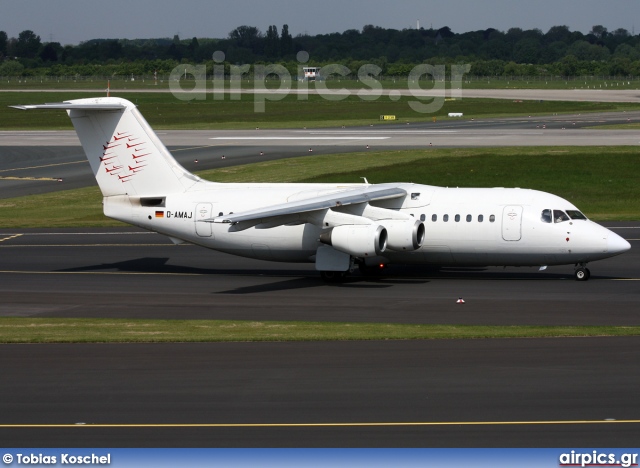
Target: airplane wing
285, 213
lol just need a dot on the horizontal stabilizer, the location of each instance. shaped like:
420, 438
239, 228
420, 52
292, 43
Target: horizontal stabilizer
70, 105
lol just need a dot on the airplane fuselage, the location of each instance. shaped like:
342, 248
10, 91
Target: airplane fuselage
464, 226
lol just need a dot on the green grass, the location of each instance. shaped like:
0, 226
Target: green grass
627, 126
53, 330
66, 208
601, 181
164, 111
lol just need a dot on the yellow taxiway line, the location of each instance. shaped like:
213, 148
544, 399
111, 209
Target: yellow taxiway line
311, 425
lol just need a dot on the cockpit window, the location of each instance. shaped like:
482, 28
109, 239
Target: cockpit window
546, 216
559, 216
575, 214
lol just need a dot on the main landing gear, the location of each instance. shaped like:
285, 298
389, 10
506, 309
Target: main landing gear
333, 276
581, 272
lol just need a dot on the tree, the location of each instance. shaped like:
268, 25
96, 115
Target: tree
599, 31
526, 51
246, 36
272, 43
193, 46
445, 32
50, 52
558, 33
626, 51
621, 32
582, 50
514, 35
286, 41
568, 66
28, 44
3, 43
491, 33
11, 68
620, 67
553, 52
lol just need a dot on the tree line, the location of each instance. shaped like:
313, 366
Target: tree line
490, 52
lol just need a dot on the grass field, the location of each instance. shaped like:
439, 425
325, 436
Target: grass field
41, 330
164, 111
37, 330
602, 182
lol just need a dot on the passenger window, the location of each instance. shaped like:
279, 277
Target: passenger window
492, 218
445, 218
546, 216
560, 216
480, 218
422, 217
434, 217
457, 218
468, 218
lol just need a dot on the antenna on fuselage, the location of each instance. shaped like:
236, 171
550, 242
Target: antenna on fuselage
365, 180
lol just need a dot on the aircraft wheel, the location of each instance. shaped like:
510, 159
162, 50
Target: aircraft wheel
333, 276
582, 274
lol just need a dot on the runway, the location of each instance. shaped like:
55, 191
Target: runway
448, 393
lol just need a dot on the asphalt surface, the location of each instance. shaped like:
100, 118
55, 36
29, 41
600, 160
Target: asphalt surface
133, 274
516, 393
452, 393
449, 393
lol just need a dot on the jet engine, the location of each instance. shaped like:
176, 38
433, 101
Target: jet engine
358, 240
404, 235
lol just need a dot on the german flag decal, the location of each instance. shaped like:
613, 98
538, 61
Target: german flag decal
159, 214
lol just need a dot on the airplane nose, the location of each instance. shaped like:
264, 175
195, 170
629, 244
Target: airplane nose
616, 244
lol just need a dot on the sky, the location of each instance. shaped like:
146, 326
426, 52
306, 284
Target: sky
73, 21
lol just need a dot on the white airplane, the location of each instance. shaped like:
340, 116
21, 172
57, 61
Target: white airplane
335, 226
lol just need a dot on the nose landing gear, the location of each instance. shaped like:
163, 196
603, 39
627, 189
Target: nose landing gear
581, 272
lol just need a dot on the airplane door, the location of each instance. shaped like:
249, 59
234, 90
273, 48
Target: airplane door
512, 223
203, 211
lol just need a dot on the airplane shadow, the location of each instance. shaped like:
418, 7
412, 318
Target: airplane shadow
306, 278
296, 279
159, 266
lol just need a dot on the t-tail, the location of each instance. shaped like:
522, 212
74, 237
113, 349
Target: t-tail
125, 154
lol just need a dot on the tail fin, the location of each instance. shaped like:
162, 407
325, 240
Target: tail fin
125, 154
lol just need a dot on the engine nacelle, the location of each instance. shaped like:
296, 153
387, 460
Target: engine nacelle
404, 235
358, 240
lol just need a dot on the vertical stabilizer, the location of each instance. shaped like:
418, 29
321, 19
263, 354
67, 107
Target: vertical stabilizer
125, 154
